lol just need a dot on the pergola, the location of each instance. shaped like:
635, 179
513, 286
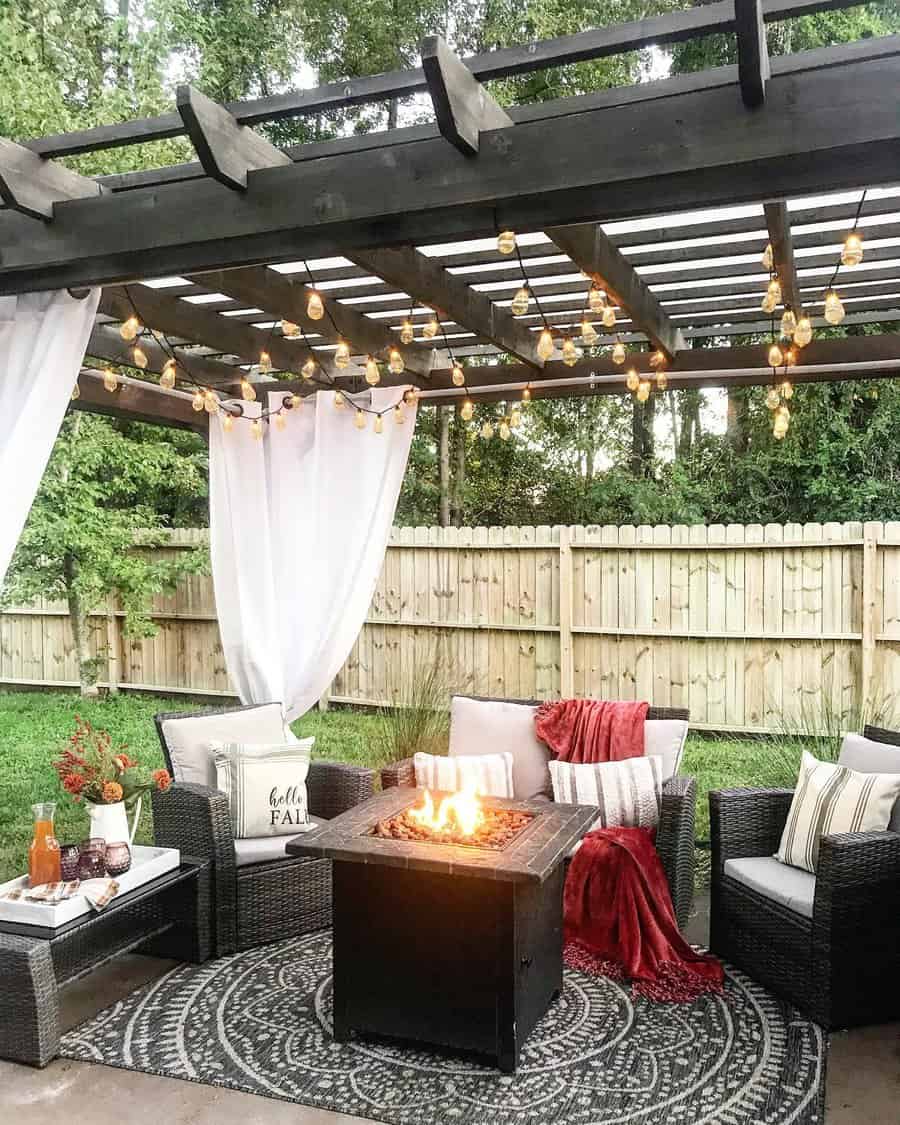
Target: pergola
212, 256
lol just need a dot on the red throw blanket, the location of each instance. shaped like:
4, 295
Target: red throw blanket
592, 730
619, 920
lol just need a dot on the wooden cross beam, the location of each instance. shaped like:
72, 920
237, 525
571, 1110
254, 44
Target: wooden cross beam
414, 273
594, 253
137, 401
267, 289
462, 106
753, 52
778, 223
106, 343
32, 185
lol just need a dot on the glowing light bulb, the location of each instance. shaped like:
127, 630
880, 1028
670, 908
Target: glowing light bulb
790, 357
596, 300
526, 394
431, 328
265, 363
632, 379
506, 241
197, 402
783, 414
290, 330
407, 332
411, 396
315, 310
803, 333
768, 257
515, 418
360, 420
768, 304
589, 335
308, 369
520, 302
130, 328
852, 251
167, 377
339, 401
110, 380
609, 317
342, 354
487, 431
788, 323
662, 380
139, 356
256, 429
296, 402
776, 356
545, 345
280, 420
248, 391
395, 362
774, 290
834, 309
373, 375
787, 389
504, 430
211, 401
398, 414
773, 398
76, 393
618, 352
228, 423
458, 376
378, 427
643, 391
657, 358
467, 410
569, 352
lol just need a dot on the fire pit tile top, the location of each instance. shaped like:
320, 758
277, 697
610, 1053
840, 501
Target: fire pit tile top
532, 856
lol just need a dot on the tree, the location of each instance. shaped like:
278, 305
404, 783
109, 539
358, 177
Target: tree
92, 530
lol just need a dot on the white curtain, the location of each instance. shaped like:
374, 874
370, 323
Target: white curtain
42, 342
299, 524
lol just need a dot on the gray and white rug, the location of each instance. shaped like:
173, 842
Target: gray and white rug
259, 1021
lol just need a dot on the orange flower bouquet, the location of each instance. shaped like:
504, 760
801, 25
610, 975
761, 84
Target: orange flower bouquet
91, 769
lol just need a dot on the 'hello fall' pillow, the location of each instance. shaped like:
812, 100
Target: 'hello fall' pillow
265, 786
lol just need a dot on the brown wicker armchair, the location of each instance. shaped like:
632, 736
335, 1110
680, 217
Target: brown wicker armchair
835, 957
255, 903
675, 835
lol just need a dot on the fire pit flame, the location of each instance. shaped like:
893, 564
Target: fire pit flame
461, 811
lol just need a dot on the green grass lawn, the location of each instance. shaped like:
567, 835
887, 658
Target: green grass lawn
34, 726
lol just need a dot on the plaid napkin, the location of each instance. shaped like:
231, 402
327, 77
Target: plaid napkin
98, 892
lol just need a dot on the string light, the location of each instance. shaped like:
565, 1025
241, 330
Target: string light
526, 394
431, 327
130, 328
458, 376
256, 429
211, 401
296, 402
198, 402
596, 300
342, 354
398, 414
76, 393
360, 420
407, 332
110, 380
852, 250
227, 423
339, 400
657, 359
609, 317
773, 295
515, 418
248, 391
787, 389
504, 430
773, 398
545, 346
788, 323
790, 357
379, 424
308, 369
506, 242
569, 352
632, 379
373, 375
834, 309
662, 380
643, 391
395, 362
280, 420
618, 352
290, 330
781, 423
411, 396
776, 356
315, 309
768, 258
139, 357
588, 333
167, 377
487, 430
520, 301
467, 410
803, 333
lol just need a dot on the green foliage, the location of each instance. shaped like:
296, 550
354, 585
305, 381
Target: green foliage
419, 720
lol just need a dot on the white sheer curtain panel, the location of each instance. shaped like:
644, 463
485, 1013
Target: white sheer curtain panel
42, 342
299, 524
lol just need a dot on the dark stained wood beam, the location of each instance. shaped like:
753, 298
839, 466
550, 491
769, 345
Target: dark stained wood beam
430, 283
267, 289
753, 52
698, 150
778, 224
227, 150
592, 251
33, 186
462, 106
136, 401
106, 343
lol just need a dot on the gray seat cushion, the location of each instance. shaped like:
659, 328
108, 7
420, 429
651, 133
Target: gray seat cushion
790, 886
867, 756
666, 738
188, 738
264, 849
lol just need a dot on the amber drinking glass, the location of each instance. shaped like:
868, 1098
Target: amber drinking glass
43, 855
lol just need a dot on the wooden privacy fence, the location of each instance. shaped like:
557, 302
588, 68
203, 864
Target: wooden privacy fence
745, 625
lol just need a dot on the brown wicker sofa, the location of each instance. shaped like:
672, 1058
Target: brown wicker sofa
675, 835
253, 903
836, 957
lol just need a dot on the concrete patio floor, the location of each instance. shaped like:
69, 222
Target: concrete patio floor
863, 1074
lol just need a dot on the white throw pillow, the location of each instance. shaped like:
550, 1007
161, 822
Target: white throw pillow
627, 793
665, 738
265, 787
188, 737
490, 774
868, 756
496, 726
830, 799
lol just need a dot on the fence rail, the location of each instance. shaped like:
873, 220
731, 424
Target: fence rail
745, 625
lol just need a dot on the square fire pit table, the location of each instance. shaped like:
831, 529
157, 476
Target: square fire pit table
446, 944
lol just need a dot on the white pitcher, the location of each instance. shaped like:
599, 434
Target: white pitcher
110, 822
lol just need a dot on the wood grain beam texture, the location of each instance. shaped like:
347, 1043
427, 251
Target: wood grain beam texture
778, 224
753, 53
106, 343
137, 401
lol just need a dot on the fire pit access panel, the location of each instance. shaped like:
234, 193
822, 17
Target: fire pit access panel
444, 944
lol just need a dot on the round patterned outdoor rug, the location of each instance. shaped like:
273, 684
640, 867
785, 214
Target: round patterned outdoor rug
259, 1021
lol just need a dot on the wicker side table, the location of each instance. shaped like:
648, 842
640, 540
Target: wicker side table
168, 917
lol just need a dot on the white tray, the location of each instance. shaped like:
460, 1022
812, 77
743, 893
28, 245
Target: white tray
146, 864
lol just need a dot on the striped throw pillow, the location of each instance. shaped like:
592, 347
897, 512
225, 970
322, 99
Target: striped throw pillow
490, 774
830, 799
265, 787
627, 793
